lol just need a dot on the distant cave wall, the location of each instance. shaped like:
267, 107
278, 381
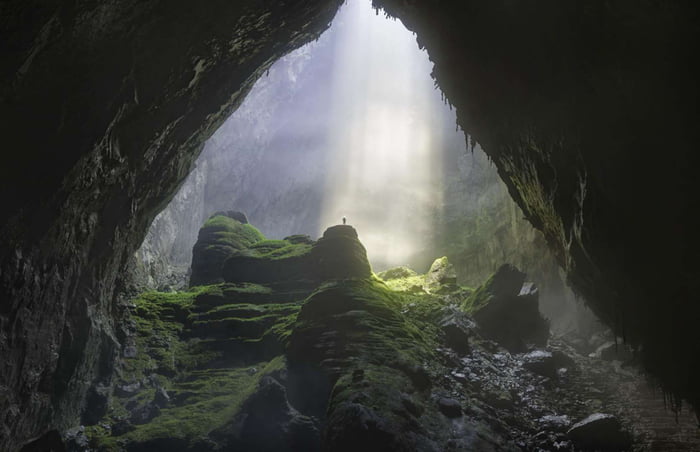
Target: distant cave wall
106, 106
589, 110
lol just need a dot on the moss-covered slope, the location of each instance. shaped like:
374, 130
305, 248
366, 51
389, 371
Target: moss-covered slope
219, 238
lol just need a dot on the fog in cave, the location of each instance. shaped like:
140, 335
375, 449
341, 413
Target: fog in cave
350, 126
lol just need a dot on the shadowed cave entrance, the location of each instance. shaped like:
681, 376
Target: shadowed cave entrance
103, 207
407, 182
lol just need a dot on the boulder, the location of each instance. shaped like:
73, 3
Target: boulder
541, 362
450, 407
441, 273
506, 309
600, 432
219, 238
396, 273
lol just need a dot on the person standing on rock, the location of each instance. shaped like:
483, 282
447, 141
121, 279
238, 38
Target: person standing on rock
344, 220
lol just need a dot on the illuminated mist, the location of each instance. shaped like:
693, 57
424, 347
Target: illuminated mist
384, 143
350, 125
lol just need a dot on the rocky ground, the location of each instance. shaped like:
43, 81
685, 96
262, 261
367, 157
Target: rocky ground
303, 348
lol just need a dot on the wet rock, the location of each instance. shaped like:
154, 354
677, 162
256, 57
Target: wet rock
556, 423
457, 332
540, 362
506, 309
600, 432
450, 407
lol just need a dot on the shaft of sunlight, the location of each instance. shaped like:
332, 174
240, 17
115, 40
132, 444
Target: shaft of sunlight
384, 146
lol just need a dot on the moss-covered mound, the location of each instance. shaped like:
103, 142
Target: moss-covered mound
221, 236
506, 309
339, 254
308, 352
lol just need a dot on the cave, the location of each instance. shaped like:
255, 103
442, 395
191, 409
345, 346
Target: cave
587, 111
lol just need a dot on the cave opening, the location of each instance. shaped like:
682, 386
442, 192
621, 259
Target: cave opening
353, 125
297, 344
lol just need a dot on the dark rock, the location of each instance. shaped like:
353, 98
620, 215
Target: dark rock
219, 238
457, 332
614, 351
450, 407
127, 390
340, 255
411, 406
418, 375
121, 427
96, 404
49, 442
144, 413
161, 399
507, 310
541, 362
600, 432
358, 375
268, 422
130, 351
76, 440
555, 423
353, 427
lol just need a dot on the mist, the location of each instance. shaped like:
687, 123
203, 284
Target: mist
350, 125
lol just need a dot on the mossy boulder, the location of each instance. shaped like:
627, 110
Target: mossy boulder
339, 254
507, 310
219, 238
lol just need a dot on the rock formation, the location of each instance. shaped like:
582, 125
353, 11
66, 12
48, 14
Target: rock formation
589, 112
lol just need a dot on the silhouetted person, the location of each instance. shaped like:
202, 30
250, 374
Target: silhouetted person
344, 220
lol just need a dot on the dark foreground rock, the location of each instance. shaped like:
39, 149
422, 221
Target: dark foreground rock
221, 236
600, 432
506, 309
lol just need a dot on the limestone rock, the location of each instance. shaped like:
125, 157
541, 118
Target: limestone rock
506, 309
219, 238
600, 432
396, 273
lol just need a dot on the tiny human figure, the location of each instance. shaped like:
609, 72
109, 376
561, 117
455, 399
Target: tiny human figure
344, 220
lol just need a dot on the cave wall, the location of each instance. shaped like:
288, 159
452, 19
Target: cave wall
106, 105
588, 109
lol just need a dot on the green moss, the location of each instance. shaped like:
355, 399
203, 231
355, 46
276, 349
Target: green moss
216, 397
411, 284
